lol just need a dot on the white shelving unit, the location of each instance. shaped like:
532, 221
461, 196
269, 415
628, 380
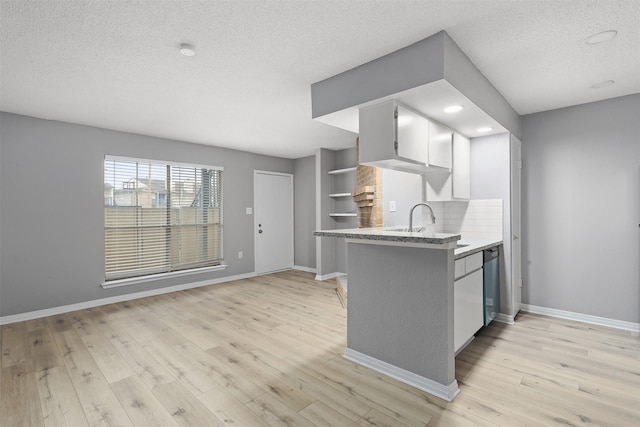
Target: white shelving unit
343, 208
336, 179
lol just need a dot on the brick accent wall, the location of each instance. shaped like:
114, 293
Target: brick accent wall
368, 194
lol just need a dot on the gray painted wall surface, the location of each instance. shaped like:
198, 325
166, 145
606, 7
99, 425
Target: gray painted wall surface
401, 307
304, 187
52, 218
0, 216
581, 209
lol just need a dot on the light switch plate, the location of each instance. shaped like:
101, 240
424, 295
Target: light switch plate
392, 206
249, 211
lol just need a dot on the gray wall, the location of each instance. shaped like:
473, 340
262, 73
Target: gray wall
581, 185
0, 216
52, 217
304, 185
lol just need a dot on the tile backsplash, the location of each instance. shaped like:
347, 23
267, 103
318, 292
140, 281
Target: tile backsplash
473, 219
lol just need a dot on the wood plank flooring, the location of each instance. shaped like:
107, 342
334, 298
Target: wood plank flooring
267, 351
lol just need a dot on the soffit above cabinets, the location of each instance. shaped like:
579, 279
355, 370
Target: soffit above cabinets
431, 100
427, 76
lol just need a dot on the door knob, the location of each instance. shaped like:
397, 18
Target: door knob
259, 231
516, 237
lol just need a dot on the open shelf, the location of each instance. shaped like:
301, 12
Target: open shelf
344, 214
340, 195
341, 171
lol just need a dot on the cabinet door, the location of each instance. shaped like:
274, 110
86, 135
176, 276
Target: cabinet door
377, 133
440, 149
413, 136
461, 170
467, 308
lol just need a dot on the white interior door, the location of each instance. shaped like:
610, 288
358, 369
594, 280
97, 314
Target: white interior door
516, 213
273, 216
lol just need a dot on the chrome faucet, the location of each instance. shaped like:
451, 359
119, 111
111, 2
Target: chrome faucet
433, 217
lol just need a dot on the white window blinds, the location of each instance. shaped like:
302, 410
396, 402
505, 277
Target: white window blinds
160, 217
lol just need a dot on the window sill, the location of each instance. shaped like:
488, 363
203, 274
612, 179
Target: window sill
142, 279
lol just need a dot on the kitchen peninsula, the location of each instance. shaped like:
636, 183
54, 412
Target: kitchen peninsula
400, 319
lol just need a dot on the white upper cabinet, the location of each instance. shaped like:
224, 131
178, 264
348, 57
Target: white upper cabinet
457, 185
461, 175
440, 141
413, 136
393, 136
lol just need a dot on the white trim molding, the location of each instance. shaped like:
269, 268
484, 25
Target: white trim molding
305, 269
446, 392
5, 320
504, 318
321, 277
579, 317
153, 277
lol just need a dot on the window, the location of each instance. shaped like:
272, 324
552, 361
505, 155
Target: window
160, 217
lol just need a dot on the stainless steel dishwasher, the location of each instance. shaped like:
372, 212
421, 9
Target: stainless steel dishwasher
491, 284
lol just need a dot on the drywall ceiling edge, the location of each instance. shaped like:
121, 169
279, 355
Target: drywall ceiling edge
415, 65
462, 74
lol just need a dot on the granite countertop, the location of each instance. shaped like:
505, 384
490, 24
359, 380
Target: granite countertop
471, 246
390, 234
400, 235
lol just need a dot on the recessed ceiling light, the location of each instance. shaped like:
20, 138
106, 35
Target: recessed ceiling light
453, 109
602, 84
187, 49
485, 129
601, 37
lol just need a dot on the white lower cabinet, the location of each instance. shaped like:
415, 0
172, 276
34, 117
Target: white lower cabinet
467, 299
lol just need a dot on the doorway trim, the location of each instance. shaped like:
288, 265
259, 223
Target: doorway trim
257, 172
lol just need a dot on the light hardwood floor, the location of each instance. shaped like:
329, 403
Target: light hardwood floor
268, 351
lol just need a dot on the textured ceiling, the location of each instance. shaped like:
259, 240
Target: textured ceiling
115, 64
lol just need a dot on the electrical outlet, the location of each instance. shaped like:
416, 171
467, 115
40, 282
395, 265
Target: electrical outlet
392, 206
240, 255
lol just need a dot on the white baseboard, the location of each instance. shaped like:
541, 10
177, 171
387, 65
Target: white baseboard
305, 269
442, 391
585, 318
504, 318
329, 276
4, 320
